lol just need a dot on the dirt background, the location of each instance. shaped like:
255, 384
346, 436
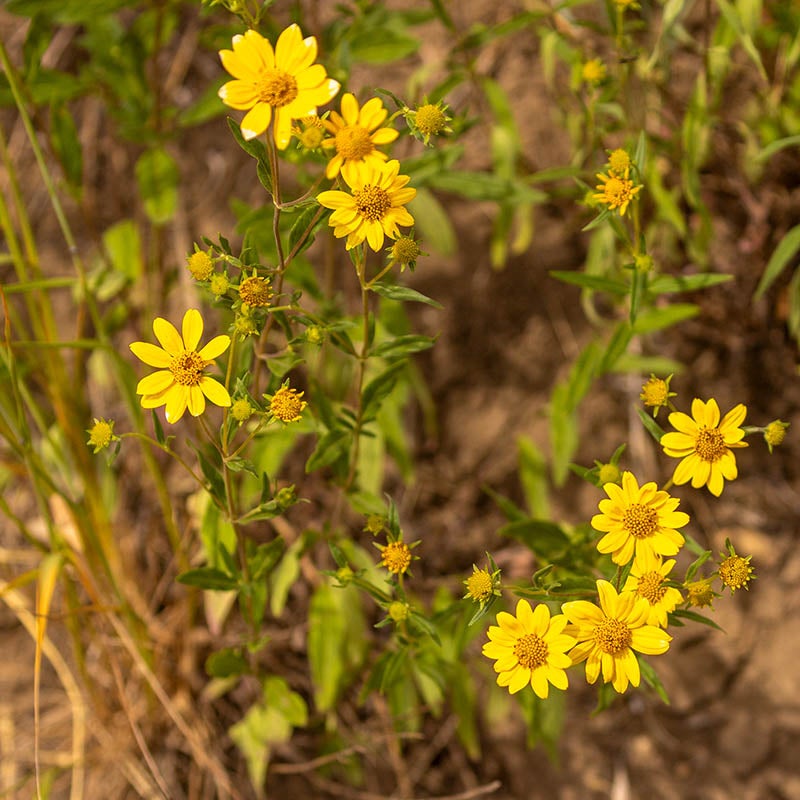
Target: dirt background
505, 337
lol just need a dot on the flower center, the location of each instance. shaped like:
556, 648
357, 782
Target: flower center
255, 291
654, 392
734, 572
651, 587
430, 119
396, 557
531, 651
479, 585
287, 405
276, 87
353, 142
612, 636
640, 521
187, 368
618, 191
372, 202
710, 444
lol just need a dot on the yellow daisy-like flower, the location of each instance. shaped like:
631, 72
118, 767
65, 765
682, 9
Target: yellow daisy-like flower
356, 134
530, 648
700, 593
735, 572
396, 557
607, 635
101, 434
705, 445
593, 71
646, 580
181, 382
286, 405
638, 519
275, 85
616, 191
376, 206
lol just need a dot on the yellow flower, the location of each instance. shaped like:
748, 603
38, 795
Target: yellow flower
705, 445
616, 191
376, 206
608, 473
619, 161
700, 593
101, 434
431, 120
405, 251
356, 134
180, 382
775, 433
241, 410
593, 71
736, 572
286, 404
311, 133
275, 85
255, 291
655, 393
200, 265
608, 635
396, 557
530, 648
646, 580
637, 520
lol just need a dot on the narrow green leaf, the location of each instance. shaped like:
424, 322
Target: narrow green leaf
226, 663
402, 293
208, 578
157, 177
402, 346
596, 282
786, 250
432, 222
652, 427
656, 319
672, 284
652, 680
777, 146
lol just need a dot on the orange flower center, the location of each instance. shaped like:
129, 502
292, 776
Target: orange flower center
612, 636
255, 291
276, 87
734, 572
651, 587
187, 368
640, 521
531, 651
396, 557
710, 444
353, 142
372, 202
617, 192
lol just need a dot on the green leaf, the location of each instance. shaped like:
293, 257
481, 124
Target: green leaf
652, 679
379, 388
656, 319
544, 538
283, 577
256, 149
208, 578
382, 45
157, 177
226, 663
402, 293
330, 447
777, 146
533, 476
66, 145
265, 557
671, 284
326, 630
683, 613
617, 346
305, 226
596, 282
432, 222
786, 250
124, 248
402, 346
651, 426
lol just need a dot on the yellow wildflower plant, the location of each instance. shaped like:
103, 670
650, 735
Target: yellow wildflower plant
735, 571
529, 648
275, 85
396, 557
655, 393
705, 445
609, 634
376, 206
593, 72
616, 191
357, 133
619, 161
638, 519
646, 579
101, 434
181, 382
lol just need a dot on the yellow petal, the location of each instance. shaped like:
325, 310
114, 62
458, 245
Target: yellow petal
539, 683
177, 399
520, 678
375, 236
237, 66
734, 418
608, 598
685, 470
256, 121
155, 383
384, 136
349, 109
715, 481
311, 78
215, 392
168, 336
650, 640
701, 473
196, 403
216, 347
238, 94
540, 620
192, 328
151, 355
254, 50
683, 423
524, 615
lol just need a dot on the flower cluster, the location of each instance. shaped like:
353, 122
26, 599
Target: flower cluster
616, 189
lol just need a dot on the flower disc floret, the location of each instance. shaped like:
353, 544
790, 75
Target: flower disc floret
608, 635
736, 572
705, 444
275, 85
181, 381
647, 580
255, 291
287, 404
616, 191
638, 519
430, 120
619, 162
356, 134
200, 265
480, 586
529, 648
375, 208
396, 557
101, 434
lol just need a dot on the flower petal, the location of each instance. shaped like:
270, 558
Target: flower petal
216, 347
151, 355
215, 392
168, 336
256, 121
238, 94
192, 328
155, 383
177, 399
196, 403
